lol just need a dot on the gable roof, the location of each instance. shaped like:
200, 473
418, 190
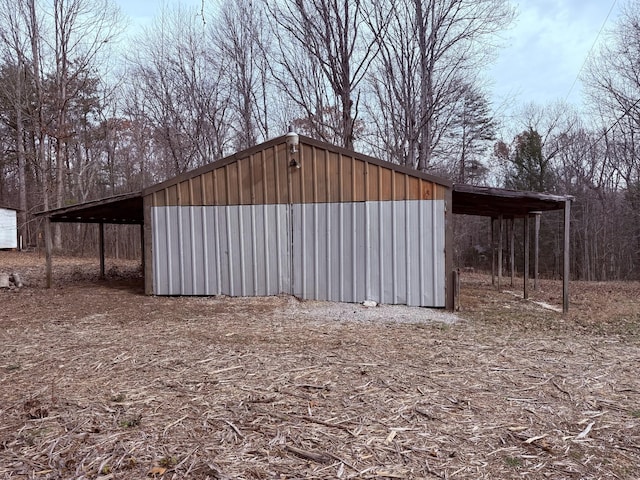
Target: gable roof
118, 209
303, 141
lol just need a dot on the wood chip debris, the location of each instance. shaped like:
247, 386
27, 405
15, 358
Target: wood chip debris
98, 381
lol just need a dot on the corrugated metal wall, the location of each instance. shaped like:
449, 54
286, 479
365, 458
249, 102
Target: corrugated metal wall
390, 252
232, 250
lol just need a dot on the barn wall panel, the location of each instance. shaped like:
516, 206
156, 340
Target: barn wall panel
328, 251
241, 250
390, 252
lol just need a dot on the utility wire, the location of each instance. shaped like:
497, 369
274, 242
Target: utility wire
593, 45
624, 114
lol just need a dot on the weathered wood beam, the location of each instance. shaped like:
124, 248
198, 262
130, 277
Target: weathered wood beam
500, 248
526, 258
493, 251
142, 246
536, 251
102, 275
48, 248
512, 249
567, 245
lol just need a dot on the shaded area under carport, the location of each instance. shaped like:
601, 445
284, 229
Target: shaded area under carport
126, 209
501, 204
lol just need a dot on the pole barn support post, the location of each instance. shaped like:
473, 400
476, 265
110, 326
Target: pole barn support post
102, 251
526, 257
536, 252
493, 251
142, 246
512, 250
48, 248
566, 267
500, 248
451, 279
147, 250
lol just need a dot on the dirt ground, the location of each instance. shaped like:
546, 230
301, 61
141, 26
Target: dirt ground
98, 381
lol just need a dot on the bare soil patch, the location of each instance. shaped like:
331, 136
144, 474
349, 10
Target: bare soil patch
98, 381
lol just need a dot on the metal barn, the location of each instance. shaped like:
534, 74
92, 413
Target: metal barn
301, 217
8, 228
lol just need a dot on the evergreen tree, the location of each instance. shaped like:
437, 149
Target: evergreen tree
528, 167
474, 129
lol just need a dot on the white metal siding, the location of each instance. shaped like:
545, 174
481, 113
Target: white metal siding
391, 251
8, 228
230, 250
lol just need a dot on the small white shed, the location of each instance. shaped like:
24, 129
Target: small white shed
8, 228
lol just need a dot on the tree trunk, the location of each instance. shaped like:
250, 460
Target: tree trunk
22, 163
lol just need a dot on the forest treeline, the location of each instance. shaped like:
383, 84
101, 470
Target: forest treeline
89, 109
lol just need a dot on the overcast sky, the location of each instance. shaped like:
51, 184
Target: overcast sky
544, 50
547, 47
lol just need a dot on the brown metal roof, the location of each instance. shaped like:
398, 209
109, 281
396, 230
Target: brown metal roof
121, 209
467, 199
492, 202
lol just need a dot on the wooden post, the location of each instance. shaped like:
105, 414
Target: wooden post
512, 249
455, 288
102, 275
48, 248
536, 251
493, 251
567, 245
148, 246
526, 256
500, 235
142, 244
450, 292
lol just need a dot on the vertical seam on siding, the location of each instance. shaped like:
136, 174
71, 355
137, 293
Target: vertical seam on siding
205, 249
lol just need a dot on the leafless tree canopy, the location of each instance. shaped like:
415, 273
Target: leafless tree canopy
87, 112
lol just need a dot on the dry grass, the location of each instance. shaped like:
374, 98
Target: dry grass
98, 381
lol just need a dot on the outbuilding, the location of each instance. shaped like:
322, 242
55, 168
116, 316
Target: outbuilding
299, 216
8, 228
302, 217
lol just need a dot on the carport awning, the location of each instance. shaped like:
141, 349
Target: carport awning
493, 202
500, 203
467, 200
120, 209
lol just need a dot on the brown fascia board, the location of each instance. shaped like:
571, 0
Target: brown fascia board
90, 203
303, 140
508, 193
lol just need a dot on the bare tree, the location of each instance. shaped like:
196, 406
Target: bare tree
241, 37
612, 81
431, 49
14, 47
178, 85
326, 48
